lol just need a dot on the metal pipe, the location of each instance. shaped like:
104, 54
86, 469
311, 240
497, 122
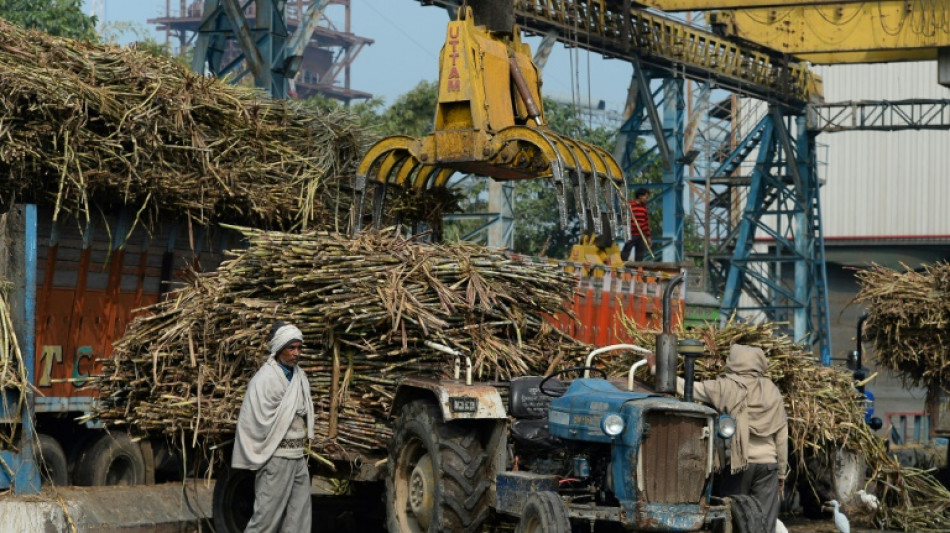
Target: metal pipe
689, 378
665, 379
633, 371
524, 91
667, 294
612, 347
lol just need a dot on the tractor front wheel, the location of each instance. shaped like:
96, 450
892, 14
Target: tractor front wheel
438, 474
544, 512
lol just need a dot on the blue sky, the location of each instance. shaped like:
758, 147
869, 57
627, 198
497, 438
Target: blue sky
408, 38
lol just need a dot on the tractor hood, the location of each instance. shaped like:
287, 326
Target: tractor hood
578, 414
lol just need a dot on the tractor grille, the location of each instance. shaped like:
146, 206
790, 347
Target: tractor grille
673, 458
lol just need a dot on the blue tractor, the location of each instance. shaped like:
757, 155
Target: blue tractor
591, 455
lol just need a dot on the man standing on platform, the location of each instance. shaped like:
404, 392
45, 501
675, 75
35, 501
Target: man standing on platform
639, 227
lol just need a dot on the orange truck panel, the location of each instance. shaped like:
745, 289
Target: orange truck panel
607, 296
90, 283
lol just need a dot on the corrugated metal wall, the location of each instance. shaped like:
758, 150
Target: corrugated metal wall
884, 183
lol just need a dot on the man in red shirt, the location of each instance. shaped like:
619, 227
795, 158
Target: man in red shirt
639, 227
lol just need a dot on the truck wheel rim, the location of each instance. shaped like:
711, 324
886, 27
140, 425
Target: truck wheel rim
420, 491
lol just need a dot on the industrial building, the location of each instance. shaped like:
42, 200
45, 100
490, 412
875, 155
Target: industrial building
883, 196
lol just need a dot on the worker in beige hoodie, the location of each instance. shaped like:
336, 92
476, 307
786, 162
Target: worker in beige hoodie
758, 460
759, 449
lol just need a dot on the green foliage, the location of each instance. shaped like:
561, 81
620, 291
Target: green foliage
112, 32
412, 113
63, 18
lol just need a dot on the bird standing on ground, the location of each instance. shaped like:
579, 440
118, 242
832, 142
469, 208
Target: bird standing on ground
841, 521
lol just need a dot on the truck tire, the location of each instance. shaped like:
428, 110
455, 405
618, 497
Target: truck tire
544, 512
438, 477
232, 504
112, 459
54, 470
747, 515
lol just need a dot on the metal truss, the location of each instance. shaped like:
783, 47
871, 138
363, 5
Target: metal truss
272, 37
262, 48
777, 258
884, 115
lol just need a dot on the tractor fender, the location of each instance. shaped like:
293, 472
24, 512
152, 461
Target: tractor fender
455, 399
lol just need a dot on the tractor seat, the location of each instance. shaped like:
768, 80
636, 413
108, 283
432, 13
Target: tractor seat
529, 406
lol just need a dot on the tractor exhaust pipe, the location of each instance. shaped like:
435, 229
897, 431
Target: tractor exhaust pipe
665, 381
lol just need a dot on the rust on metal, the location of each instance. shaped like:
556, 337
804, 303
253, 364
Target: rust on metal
674, 455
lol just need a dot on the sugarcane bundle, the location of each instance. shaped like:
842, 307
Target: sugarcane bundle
13, 382
373, 309
909, 321
825, 414
85, 123
13, 375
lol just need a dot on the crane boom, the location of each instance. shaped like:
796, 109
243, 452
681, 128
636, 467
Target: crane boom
886, 30
707, 5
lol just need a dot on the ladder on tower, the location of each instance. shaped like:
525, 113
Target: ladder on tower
739, 154
822, 319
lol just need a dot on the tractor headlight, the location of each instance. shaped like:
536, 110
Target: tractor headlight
612, 424
727, 427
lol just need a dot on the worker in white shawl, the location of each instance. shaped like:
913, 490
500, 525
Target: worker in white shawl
273, 429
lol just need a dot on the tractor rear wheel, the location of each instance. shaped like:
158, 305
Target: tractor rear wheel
438, 476
747, 515
544, 512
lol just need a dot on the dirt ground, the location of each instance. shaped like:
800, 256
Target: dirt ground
804, 525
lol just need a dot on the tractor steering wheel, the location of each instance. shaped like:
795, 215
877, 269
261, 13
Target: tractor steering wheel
557, 373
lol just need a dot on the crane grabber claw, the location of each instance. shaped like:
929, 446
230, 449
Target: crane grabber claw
489, 121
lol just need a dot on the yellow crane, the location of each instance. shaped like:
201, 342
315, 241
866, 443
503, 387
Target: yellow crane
489, 121
833, 31
865, 32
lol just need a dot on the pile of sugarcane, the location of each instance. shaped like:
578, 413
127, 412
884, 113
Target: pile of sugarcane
13, 378
373, 309
86, 124
909, 321
13, 384
825, 413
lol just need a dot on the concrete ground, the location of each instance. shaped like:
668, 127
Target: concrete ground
171, 508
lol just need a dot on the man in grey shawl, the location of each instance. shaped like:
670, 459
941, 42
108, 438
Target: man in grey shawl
273, 429
759, 449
